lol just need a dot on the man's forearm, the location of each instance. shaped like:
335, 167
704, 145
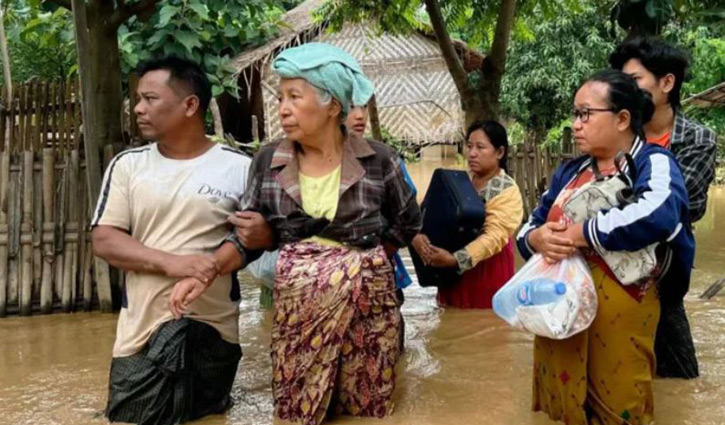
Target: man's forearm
121, 250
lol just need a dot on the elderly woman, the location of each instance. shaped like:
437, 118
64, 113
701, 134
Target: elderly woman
604, 375
333, 200
486, 263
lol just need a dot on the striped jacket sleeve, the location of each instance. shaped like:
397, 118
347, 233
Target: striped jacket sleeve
114, 205
657, 215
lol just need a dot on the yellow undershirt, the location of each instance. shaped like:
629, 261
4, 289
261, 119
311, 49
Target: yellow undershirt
320, 196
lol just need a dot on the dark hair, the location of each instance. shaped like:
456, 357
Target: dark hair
496, 133
182, 71
624, 94
658, 57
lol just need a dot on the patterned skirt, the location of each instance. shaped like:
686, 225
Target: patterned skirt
335, 333
602, 376
478, 285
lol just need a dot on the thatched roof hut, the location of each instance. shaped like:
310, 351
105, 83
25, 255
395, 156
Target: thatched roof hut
712, 97
416, 97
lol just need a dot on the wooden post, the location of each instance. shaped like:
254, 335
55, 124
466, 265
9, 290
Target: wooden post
43, 114
255, 129
46, 284
60, 111
4, 234
3, 125
70, 119
71, 235
22, 103
11, 125
37, 226
14, 216
26, 237
375, 119
88, 278
566, 146
53, 121
59, 236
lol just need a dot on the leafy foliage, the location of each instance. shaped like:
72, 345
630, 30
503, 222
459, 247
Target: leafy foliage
542, 74
41, 43
209, 32
707, 46
400, 146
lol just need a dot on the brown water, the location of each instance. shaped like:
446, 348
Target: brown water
460, 367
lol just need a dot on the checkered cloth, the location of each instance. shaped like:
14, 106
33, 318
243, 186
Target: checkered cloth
376, 204
694, 146
674, 349
185, 372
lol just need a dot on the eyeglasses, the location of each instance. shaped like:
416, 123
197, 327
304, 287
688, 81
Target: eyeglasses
584, 113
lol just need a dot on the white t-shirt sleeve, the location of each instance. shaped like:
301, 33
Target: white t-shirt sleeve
114, 206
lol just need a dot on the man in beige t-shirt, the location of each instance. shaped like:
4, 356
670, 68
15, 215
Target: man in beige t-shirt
162, 217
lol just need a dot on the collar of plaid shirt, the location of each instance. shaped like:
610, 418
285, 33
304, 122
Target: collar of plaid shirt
352, 171
682, 124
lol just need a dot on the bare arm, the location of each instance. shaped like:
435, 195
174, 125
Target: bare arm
228, 258
121, 250
188, 290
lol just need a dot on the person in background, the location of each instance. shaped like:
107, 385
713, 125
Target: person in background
356, 122
660, 69
604, 374
486, 263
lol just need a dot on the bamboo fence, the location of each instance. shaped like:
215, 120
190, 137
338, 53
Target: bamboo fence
46, 257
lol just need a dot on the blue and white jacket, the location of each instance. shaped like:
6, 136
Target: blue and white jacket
660, 214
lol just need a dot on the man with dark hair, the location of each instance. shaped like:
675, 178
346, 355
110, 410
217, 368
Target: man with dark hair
162, 218
660, 69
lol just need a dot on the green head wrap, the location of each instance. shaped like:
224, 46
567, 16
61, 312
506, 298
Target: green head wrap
328, 68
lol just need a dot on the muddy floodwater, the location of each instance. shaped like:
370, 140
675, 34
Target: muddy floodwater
459, 367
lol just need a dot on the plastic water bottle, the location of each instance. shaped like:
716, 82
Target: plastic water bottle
531, 292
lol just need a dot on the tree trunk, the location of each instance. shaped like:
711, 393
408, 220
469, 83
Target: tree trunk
494, 64
105, 81
93, 134
217, 116
6, 58
374, 119
8, 78
470, 101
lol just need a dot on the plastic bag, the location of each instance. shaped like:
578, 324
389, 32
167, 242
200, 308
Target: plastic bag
571, 314
264, 268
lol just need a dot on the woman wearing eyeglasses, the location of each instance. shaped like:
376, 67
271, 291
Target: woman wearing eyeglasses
604, 374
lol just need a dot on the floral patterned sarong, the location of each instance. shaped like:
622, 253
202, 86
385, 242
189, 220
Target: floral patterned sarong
335, 332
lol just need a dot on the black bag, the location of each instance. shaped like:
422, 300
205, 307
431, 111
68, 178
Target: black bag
453, 216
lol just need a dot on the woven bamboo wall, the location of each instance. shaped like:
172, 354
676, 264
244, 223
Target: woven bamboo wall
416, 96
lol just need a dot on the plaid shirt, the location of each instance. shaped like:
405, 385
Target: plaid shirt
694, 146
375, 204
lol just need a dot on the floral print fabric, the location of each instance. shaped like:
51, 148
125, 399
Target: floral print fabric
335, 333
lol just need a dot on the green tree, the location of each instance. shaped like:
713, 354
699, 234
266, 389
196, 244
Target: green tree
707, 47
545, 68
480, 95
485, 25
120, 33
209, 32
653, 16
41, 43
